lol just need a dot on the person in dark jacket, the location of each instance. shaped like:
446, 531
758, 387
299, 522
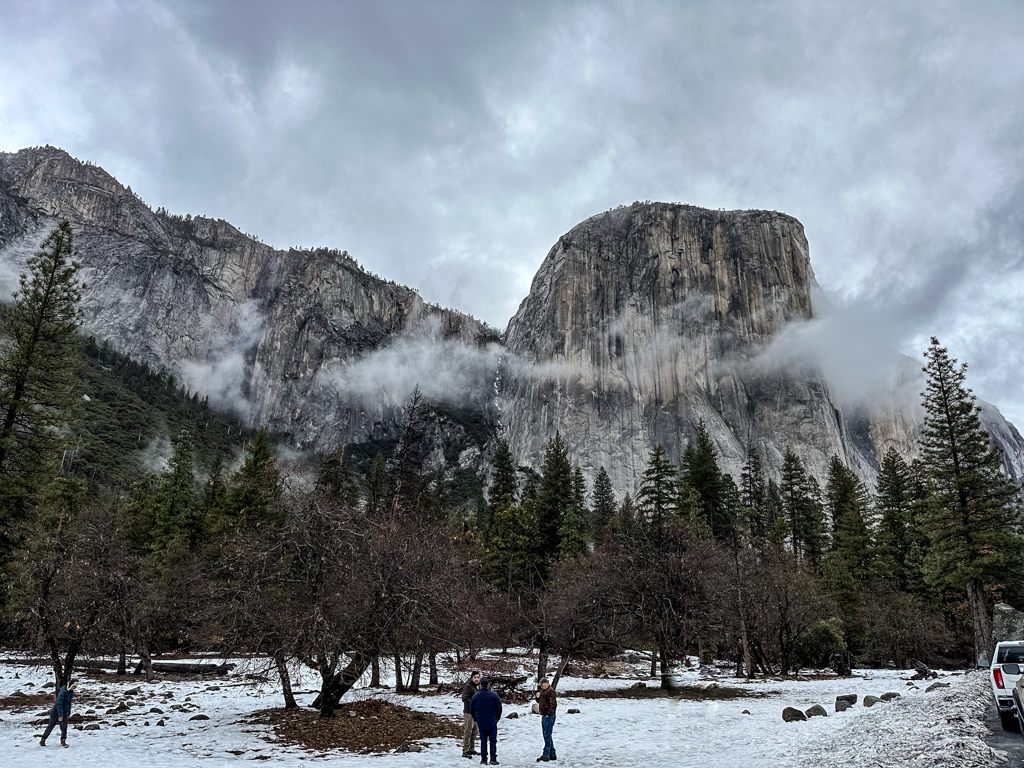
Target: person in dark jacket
547, 703
60, 713
485, 707
469, 729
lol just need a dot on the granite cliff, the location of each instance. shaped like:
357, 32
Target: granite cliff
641, 322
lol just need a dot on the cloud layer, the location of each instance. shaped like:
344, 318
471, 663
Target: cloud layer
447, 145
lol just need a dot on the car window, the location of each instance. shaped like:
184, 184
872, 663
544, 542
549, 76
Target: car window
1011, 655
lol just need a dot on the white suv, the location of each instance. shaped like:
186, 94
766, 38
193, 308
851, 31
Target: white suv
1007, 668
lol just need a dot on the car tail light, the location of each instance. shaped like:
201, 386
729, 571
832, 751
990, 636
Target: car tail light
998, 675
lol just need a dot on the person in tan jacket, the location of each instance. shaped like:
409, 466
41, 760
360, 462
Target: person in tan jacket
547, 703
469, 729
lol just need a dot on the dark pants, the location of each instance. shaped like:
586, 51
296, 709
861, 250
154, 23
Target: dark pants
547, 725
489, 733
54, 719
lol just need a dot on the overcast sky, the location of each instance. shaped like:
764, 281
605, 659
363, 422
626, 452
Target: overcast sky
447, 145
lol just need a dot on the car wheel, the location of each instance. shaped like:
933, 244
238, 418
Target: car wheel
1008, 720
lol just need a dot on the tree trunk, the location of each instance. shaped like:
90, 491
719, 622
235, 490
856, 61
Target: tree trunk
560, 670
399, 685
654, 663
433, 668
417, 672
981, 620
122, 663
335, 686
542, 658
375, 672
286, 679
666, 677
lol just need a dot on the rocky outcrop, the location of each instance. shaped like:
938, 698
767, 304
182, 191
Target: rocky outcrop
261, 330
646, 320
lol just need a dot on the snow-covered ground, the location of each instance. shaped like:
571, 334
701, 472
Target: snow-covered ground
943, 727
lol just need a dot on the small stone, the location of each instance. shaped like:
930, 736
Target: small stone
200, 717
793, 715
133, 692
573, 711
513, 716
92, 727
160, 722
745, 712
156, 711
638, 685
76, 718
870, 701
119, 724
935, 686
889, 696
816, 711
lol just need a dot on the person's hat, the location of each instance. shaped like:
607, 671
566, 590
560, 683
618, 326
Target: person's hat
545, 680
485, 682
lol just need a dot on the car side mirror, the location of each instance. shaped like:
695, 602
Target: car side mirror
1011, 669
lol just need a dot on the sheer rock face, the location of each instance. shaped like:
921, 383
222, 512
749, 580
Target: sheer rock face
640, 323
644, 321
252, 326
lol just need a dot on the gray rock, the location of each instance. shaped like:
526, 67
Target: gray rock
1007, 623
889, 696
156, 711
573, 711
842, 705
816, 711
92, 727
849, 698
870, 701
745, 712
119, 724
160, 722
935, 687
793, 715
512, 716
133, 692
201, 716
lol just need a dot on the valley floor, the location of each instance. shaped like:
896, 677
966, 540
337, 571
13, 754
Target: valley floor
942, 727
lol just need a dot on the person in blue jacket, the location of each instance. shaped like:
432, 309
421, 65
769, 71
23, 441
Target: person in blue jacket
485, 706
60, 713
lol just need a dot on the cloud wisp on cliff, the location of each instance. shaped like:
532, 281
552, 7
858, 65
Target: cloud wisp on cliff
448, 145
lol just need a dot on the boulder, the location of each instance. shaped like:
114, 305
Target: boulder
638, 685
92, 727
156, 711
512, 716
573, 711
204, 717
119, 724
816, 711
745, 712
160, 722
793, 715
121, 707
535, 709
849, 698
76, 718
935, 686
870, 701
889, 696
410, 748
842, 705
133, 692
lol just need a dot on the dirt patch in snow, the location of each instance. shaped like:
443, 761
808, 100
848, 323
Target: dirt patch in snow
369, 726
684, 692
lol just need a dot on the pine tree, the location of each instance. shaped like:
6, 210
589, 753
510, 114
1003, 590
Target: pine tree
971, 520
255, 494
700, 468
503, 477
554, 494
625, 521
512, 558
38, 345
378, 487
753, 493
656, 500
847, 505
604, 505
177, 514
801, 503
775, 516
901, 546
573, 532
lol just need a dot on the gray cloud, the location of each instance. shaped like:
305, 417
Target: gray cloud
448, 145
